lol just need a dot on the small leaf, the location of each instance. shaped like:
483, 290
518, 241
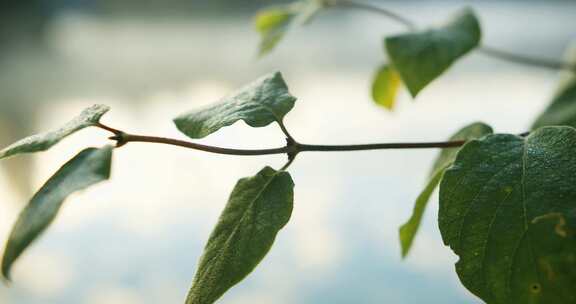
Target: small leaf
274, 22
89, 167
258, 208
491, 198
44, 141
385, 86
260, 103
562, 109
410, 228
421, 57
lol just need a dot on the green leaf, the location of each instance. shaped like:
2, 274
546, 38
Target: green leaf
562, 109
385, 86
260, 103
89, 167
258, 208
410, 228
490, 197
421, 57
44, 141
273, 23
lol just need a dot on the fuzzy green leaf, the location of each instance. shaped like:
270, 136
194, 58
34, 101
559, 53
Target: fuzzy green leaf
89, 167
273, 23
260, 103
257, 209
385, 86
410, 228
421, 57
562, 109
490, 199
44, 141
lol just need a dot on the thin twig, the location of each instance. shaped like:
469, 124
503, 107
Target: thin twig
128, 138
373, 9
527, 60
109, 129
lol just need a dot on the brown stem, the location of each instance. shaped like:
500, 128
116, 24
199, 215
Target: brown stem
291, 148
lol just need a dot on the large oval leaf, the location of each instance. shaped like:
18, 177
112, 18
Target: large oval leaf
490, 199
421, 57
89, 167
44, 141
408, 231
260, 103
258, 208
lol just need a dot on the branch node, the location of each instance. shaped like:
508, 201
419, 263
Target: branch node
120, 139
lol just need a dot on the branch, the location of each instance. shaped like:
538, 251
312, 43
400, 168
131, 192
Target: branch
292, 148
486, 50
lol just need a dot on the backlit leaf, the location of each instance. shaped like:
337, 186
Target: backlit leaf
385, 87
273, 23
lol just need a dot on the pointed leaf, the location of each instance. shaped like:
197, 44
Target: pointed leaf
44, 141
258, 208
562, 109
497, 188
410, 228
89, 167
273, 23
421, 57
260, 103
385, 86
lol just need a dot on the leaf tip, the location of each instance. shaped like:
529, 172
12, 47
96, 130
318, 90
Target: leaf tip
6, 266
405, 241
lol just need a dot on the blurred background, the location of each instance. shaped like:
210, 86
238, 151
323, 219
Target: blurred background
138, 237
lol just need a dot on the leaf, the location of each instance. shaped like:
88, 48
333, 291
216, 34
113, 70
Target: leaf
562, 109
497, 187
421, 57
44, 141
273, 23
89, 167
409, 229
385, 86
260, 103
258, 208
